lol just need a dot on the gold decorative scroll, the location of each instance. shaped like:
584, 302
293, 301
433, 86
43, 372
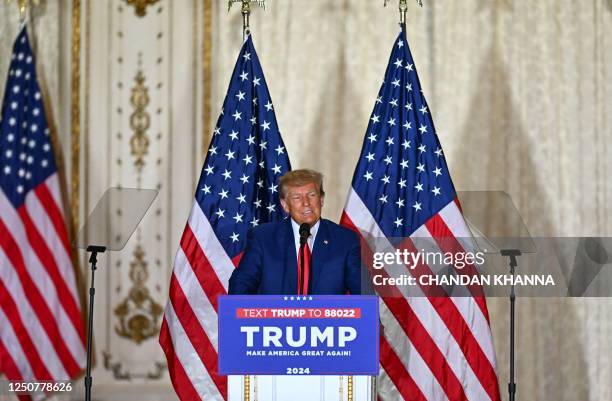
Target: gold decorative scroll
138, 313
75, 116
140, 121
140, 6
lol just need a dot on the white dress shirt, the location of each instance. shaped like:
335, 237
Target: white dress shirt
296, 236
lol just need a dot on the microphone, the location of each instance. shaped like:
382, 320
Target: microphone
304, 233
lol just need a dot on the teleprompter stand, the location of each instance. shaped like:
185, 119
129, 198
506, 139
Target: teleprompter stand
109, 226
498, 228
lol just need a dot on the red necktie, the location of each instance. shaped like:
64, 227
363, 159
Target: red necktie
303, 285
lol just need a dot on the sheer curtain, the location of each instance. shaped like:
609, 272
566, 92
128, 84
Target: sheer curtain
519, 92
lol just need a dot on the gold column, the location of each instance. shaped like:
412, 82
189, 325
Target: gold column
207, 73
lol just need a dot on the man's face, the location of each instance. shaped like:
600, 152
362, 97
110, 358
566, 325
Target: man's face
303, 203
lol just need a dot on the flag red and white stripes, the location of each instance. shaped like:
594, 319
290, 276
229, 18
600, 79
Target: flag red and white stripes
432, 348
42, 334
238, 188
44, 339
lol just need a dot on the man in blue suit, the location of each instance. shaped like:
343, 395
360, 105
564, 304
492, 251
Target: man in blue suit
270, 264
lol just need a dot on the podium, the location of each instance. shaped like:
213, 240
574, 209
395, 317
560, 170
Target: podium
299, 347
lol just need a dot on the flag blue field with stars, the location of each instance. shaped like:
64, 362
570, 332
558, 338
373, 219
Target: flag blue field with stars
238, 187
433, 348
402, 175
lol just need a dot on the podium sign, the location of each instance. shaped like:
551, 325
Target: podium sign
298, 335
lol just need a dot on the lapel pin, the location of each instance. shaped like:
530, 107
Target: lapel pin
325, 241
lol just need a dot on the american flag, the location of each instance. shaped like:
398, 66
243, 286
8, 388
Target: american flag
433, 348
238, 189
41, 328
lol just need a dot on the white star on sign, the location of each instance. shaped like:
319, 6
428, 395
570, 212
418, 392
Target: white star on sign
406, 144
241, 198
237, 115
256, 81
206, 189
386, 179
398, 222
271, 207
254, 222
367, 176
227, 174
273, 188
220, 213
240, 95
402, 183
389, 141
244, 179
398, 63
265, 125
234, 237
416, 206
248, 159
268, 105
422, 148
438, 152
421, 167
223, 194
408, 125
370, 157
233, 135
388, 160
418, 187
251, 139
423, 109
209, 170
383, 198
400, 203
280, 150
437, 171
372, 138
246, 56
396, 83
375, 118
229, 155
404, 163
276, 169
244, 76
391, 122
238, 217
436, 191
423, 129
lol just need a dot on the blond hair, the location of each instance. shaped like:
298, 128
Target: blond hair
296, 178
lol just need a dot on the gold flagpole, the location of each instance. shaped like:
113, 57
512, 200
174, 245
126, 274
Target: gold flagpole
403, 8
246, 30
23, 7
246, 13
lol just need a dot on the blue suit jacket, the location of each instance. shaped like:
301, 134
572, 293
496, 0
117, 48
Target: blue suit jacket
269, 263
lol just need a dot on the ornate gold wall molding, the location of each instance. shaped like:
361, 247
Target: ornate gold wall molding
140, 121
75, 116
140, 6
138, 313
207, 73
